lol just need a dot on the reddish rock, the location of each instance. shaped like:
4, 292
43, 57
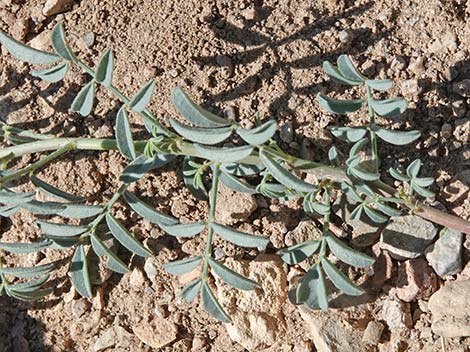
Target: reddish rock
416, 280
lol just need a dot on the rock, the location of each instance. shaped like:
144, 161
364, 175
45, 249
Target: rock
446, 130
150, 268
53, 7
416, 280
457, 188
287, 132
199, 342
106, 340
445, 255
157, 333
410, 88
382, 267
462, 88
137, 278
462, 130
450, 309
80, 307
406, 237
233, 207
306, 230
258, 320
345, 37
249, 14
373, 333
396, 314
330, 332
88, 40
458, 108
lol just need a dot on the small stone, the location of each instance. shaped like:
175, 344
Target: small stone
106, 340
80, 307
88, 40
373, 333
445, 255
416, 280
462, 88
199, 342
70, 296
137, 278
462, 130
233, 207
174, 72
157, 333
304, 231
382, 267
396, 314
450, 309
458, 108
249, 14
446, 130
410, 88
287, 132
219, 254
150, 268
345, 37
406, 237
53, 7
416, 66
20, 29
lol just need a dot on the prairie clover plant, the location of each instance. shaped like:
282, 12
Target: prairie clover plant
207, 149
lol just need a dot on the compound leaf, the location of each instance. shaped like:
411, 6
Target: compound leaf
258, 135
147, 212
338, 106
142, 98
104, 70
348, 255
125, 238
240, 238
194, 113
202, 135
340, 280
53, 74
184, 230
334, 73
83, 102
124, 139
15, 247
180, 267
231, 277
79, 274
298, 252
348, 69
211, 305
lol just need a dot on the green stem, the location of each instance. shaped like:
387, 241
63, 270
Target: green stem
326, 224
210, 231
33, 167
373, 135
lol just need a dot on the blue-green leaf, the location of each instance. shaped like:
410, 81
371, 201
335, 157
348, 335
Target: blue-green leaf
386, 209
104, 70
239, 238
236, 184
423, 181
113, 261
79, 274
334, 73
340, 280
339, 106
312, 289
26, 53
53, 74
191, 289
413, 169
194, 113
258, 135
421, 191
397, 137
379, 84
180, 267
142, 98
348, 69
298, 252
348, 255
59, 44
18, 247
136, 169
283, 176
231, 277
79, 211
374, 215
44, 208
225, 154
26, 273
398, 175
124, 139
61, 229
388, 107
53, 191
147, 212
83, 102
211, 305
242, 169
189, 175
15, 198
200, 134
29, 295
125, 238
184, 230
29, 286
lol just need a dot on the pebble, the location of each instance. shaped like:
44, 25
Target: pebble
345, 37
53, 7
233, 207
373, 333
287, 132
410, 87
150, 268
407, 237
88, 40
249, 14
199, 342
106, 340
396, 314
137, 278
416, 280
458, 108
80, 307
445, 255
450, 309
157, 333
446, 130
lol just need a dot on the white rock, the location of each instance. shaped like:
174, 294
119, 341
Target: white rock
445, 255
53, 7
106, 340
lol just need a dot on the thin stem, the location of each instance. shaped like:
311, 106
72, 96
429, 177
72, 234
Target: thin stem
213, 205
326, 224
373, 135
33, 167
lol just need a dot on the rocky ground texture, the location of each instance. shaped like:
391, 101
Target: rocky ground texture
240, 57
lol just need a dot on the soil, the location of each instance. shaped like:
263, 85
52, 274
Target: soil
236, 58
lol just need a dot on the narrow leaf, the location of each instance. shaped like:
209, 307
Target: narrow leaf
79, 211
421, 191
104, 70
312, 289
398, 175
283, 176
53, 191
349, 134
194, 113
363, 174
180, 267
211, 305
124, 135
59, 44
388, 210
142, 98
336, 106
388, 107
340, 280
44, 208
189, 180
190, 290
15, 198
334, 73
9, 210
83, 102
348, 69
397, 137
374, 215
29, 286
147, 212
242, 169
423, 181
26, 53
379, 84
348, 255
202, 135
231, 277
236, 184
29, 272
240, 238
29, 295
225, 154
413, 169
184, 230
299, 252
113, 262
125, 238
258, 135
53, 74
61, 229
136, 169
15, 247
79, 274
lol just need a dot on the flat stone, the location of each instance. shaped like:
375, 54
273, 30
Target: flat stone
406, 237
373, 333
150, 268
233, 207
306, 230
54, 7
106, 340
157, 333
396, 314
416, 280
450, 309
445, 255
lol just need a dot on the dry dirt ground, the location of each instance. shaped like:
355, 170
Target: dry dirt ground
238, 57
